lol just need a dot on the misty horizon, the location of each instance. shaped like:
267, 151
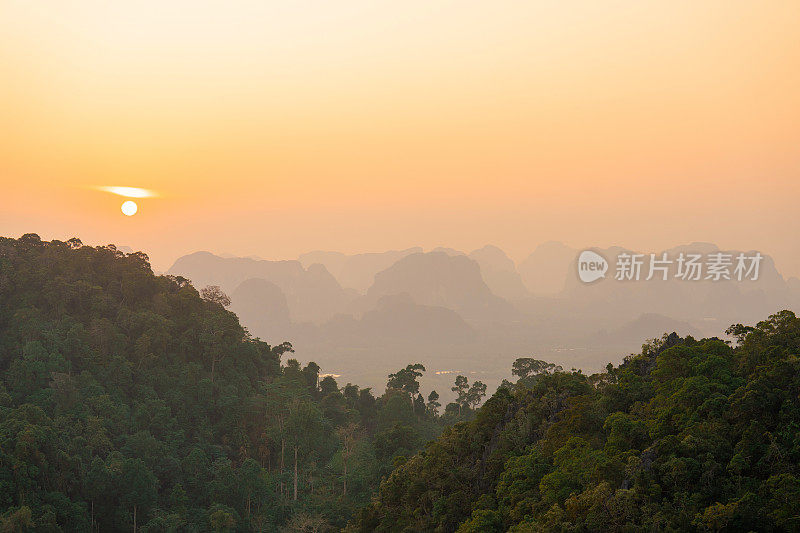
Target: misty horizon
474, 322
420, 266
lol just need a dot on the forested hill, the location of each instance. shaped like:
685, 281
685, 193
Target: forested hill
130, 402
687, 436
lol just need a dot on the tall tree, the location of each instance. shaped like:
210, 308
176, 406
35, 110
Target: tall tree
407, 380
433, 403
348, 437
304, 427
137, 485
475, 394
461, 388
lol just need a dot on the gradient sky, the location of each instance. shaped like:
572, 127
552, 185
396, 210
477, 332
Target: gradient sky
274, 128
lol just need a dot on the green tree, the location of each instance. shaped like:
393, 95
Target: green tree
305, 429
525, 367
349, 436
407, 380
475, 394
433, 403
138, 488
461, 388
222, 519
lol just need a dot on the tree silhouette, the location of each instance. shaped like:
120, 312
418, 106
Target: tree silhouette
433, 403
406, 380
214, 294
475, 394
348, 436
461, 388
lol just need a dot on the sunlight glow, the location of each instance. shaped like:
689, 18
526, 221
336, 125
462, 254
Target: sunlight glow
129, 192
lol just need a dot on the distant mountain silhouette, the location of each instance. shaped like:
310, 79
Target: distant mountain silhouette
442, 280
706, 303
474, 311
312, 294
262, 307
449, 251
646, 326
794, 285
356, 271
545, 271
400, 316
397, 318
499, 272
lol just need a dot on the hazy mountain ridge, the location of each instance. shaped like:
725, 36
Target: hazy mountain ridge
499, 272
265, 306
312, 293
707, 304
356, 271
439, 279
478, 313
545, 270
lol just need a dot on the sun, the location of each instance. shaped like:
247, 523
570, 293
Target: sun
129, 208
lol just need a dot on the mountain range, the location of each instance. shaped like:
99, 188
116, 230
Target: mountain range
474, 311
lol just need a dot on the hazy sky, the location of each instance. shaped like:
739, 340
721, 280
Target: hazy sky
274, 128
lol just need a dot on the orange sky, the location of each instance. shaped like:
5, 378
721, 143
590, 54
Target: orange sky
274, 128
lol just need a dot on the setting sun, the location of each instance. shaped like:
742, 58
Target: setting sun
129, 208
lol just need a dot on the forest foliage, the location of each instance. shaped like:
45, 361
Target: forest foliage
688, 435
133, 402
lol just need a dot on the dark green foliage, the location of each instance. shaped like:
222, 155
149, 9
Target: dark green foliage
687, 436
129, 401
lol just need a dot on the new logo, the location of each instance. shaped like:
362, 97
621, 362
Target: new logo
591, 266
